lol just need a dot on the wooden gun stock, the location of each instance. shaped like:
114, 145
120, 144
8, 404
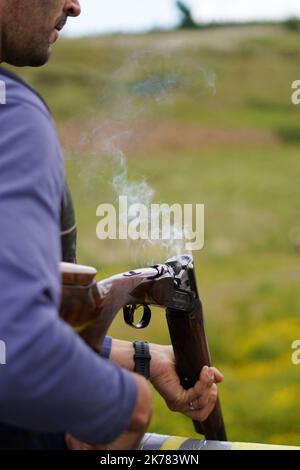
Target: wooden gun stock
80, 298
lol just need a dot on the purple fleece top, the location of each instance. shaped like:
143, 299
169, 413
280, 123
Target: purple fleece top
52, 381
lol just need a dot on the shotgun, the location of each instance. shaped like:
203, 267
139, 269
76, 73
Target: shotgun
90, 307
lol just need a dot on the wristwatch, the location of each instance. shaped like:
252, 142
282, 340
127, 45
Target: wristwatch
142, 358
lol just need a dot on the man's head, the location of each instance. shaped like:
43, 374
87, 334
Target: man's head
28, 28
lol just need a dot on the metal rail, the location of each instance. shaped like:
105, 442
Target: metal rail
164, 442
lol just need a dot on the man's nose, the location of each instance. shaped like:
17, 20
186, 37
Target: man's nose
72, 8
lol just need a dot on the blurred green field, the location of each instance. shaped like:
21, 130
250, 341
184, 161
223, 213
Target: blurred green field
211, 121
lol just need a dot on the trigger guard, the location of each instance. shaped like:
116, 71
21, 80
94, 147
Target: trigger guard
129, 311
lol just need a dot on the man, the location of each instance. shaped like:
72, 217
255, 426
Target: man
55, 391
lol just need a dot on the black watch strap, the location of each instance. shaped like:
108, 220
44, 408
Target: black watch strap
142, 358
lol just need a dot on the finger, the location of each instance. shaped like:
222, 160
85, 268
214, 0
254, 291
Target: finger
209, 396
219, 377
213, 394
204, 411
199, 403
204, 383
212, 401
207, 376
201, 415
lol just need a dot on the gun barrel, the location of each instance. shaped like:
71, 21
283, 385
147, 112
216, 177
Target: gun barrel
190, 344
187, 333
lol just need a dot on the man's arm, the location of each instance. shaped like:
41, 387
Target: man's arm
165, 379
52, 381
133, 434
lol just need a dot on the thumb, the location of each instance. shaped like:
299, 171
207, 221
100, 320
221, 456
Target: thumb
219, 377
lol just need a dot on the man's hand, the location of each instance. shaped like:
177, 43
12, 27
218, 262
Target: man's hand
197, 402
131, 437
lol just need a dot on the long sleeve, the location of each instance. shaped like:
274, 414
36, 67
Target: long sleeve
52, 381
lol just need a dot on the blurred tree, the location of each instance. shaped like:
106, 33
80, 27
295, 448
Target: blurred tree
292, 24
187, 21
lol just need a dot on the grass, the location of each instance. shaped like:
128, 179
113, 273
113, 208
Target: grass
232, 145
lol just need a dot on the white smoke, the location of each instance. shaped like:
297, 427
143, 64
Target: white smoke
128, 98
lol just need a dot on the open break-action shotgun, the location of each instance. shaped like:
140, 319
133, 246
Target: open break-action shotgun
91, 306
